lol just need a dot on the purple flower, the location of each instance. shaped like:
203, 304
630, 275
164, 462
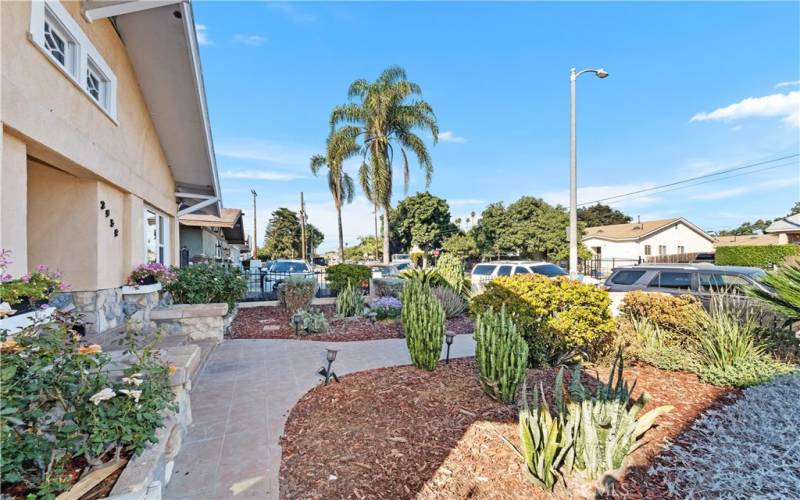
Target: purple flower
385, 303
41, 268
25, 279
44, 306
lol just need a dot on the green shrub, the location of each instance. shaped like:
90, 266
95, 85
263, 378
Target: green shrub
451, 301
501, 354
427, 276
677, 313
784, 299
58, 402
296, 292
342, 275
451, 269
555, 316
208, 284
661, 347
423, 322
311, 321
350, 302
764, 256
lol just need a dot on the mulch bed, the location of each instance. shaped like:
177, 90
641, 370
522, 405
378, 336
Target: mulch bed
406, 433
272, 322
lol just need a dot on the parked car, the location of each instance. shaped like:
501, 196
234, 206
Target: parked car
384, 271
701, 280
280, 270
486, 271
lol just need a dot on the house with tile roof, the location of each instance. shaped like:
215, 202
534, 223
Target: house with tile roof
637, 241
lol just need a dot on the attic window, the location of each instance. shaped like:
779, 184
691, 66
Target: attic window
56, 33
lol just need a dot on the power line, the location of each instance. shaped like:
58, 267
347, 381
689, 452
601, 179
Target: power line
699, 177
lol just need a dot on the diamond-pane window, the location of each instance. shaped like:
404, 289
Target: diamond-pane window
55, 44
93, 85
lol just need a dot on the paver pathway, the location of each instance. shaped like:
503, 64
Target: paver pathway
240, 403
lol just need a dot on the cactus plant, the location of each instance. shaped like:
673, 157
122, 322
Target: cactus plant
451, 270
296, 292
451, 302
349, 302
501, 354
423, 322
312, 321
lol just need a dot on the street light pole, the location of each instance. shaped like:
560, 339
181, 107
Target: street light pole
573, 170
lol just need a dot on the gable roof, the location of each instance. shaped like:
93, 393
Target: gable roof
789, 224
636, 230
746, 239
230, 222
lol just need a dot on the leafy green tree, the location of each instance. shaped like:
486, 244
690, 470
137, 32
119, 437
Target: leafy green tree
461, 245
602, 215
423, 220
795, 209
383, 115
367, 245
529, 227
747, 228
340, 183
283, 238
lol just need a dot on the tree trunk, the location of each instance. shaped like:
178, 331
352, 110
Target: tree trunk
386, 234
341, 236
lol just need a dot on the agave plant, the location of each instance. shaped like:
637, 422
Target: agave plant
427, 276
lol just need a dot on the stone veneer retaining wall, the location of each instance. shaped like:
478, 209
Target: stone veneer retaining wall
110, 308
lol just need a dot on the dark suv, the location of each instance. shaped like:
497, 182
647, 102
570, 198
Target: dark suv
701, 280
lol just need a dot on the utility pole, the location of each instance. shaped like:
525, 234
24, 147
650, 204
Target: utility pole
254, 243
302, 227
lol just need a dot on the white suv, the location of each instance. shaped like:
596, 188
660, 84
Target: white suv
486, 271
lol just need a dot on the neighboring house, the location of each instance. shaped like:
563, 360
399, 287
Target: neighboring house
787, 229
106, 141
623, 244
206, 236
746, 239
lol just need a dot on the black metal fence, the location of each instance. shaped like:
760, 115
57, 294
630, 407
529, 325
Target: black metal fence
601, 268
263, 285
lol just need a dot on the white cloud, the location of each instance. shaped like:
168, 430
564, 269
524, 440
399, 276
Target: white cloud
202, 34
722, 194
261, 175
282, 154
254, 40
293, 12
779, 183
792, 83
450, 136
786, 106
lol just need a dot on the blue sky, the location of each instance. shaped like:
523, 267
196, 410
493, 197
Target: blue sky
693, 88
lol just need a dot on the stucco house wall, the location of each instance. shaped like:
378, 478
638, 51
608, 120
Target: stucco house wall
62, 155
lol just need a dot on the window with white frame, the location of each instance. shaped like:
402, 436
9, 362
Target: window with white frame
60, 37
156, 236
662, 249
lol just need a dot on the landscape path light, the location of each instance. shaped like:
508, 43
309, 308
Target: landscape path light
330, 356
448, 339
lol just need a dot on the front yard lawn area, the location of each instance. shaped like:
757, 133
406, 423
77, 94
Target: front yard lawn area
407, 433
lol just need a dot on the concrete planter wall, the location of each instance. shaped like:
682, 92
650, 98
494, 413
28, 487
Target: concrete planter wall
199, 321
19, 321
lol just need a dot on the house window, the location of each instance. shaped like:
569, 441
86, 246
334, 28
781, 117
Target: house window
58, 42
56, 33
648, 250
156, 237
681, 250
662, 249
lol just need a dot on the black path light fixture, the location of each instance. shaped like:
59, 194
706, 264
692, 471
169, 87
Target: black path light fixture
448, 339
297, 320
330, 356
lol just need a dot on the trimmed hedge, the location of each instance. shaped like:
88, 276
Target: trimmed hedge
755, 255
343, 275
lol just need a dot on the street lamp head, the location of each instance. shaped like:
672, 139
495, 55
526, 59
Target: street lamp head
601, 73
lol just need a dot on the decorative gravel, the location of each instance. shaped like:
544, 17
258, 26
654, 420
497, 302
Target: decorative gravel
749, 449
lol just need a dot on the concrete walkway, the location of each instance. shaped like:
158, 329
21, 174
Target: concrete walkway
240, 403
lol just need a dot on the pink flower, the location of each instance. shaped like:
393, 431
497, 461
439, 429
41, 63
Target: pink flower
41, 268
25, 279
63, 286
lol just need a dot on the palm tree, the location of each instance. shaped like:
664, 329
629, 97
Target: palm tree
384, 115
339, 182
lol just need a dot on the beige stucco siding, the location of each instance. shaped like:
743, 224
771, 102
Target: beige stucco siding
678, 234
49, 111
13, 189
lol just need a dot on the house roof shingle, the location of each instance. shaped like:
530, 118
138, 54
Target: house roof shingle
630, 231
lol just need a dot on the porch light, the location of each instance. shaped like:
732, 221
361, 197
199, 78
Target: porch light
330, 356
448, 339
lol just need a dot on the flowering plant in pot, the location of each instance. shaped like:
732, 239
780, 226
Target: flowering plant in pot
150, 274
28, 292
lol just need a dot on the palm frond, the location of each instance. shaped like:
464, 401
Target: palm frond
358, 88
365, 179
417, 146
348, 188
317, 162
346, 113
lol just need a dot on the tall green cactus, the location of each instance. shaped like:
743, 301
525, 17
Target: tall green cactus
423, 322
501, 354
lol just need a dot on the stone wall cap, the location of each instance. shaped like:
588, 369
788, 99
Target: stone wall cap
178, 311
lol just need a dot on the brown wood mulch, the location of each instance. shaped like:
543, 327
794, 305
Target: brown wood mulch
406, 433
273, 322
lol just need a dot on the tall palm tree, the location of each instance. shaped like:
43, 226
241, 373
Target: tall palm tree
340, 183
384, 114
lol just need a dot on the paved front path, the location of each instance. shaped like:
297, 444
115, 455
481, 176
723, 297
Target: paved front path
240, 403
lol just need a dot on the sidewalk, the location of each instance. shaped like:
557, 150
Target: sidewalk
241, 401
